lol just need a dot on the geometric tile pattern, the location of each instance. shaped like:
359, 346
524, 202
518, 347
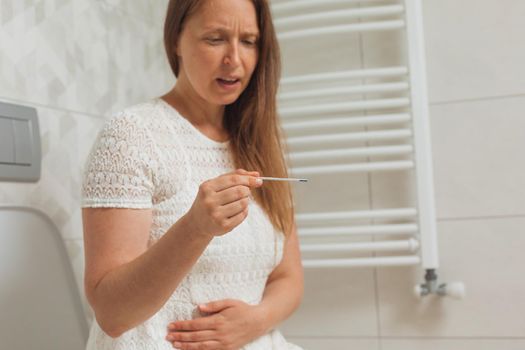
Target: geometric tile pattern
87, 56
49, 49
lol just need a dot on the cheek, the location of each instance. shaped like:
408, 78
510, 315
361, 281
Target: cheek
200, 66
206, 56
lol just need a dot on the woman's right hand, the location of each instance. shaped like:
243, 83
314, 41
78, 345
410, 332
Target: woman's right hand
222, 202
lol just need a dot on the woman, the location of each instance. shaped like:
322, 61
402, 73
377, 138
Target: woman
184, 249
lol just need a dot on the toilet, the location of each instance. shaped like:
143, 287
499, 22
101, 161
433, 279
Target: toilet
40, 304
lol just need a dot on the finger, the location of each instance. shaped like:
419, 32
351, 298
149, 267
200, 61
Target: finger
208, 345
216, 306
234, 208
230, 180
198, 324
235, 220
233, 194
191, 336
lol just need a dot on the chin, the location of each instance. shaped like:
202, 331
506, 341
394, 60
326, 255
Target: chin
228, 100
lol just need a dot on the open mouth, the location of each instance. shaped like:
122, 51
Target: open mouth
228, 82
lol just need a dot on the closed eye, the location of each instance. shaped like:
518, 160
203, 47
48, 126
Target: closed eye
214, 40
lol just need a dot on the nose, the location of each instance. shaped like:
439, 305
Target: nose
232, 57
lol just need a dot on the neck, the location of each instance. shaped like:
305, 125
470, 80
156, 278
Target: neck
194, 107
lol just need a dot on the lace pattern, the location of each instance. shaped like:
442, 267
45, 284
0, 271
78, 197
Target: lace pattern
149, 157
120, 166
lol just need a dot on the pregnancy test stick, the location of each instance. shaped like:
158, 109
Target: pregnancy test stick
282, 179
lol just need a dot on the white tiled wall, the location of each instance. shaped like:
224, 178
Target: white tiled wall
78, 61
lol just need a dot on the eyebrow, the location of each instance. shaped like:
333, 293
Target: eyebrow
225, 30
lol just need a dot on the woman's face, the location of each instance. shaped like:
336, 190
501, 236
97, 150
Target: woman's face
219, 41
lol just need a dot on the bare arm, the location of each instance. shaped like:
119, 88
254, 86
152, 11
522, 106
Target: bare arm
125, 282
285, 285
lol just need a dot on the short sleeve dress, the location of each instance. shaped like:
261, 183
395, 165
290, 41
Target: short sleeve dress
149, 156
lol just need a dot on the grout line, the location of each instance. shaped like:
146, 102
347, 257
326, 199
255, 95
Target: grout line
370, 199
293, 337
475, 99
490, 217
454, 338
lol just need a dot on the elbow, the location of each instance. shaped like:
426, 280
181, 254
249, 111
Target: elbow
107, 323
110, 328
105, 320
114, 334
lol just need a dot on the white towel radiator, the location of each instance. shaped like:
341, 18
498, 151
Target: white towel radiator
413, 242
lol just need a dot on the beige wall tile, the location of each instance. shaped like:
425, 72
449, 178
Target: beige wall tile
474, 48
485, 254
336, 303
478, 165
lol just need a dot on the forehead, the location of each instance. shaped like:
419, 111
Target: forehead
224, 14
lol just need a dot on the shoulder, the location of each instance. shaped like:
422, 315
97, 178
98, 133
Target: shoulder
142, 110
144, 117
137, 114
127, 129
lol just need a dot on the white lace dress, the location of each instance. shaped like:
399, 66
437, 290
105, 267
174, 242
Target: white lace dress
149, 156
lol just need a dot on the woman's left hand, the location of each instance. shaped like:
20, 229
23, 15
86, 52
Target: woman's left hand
230, 325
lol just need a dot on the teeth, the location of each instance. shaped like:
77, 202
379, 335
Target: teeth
229, 80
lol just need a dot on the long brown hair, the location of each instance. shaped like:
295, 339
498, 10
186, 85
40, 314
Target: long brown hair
252, 120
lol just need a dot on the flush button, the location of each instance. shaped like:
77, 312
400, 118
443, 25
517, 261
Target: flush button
20, 151
7, 141
23, 142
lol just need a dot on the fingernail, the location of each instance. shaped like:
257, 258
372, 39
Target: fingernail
258, 181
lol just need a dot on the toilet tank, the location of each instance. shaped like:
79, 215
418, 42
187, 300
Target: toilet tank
40, 304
